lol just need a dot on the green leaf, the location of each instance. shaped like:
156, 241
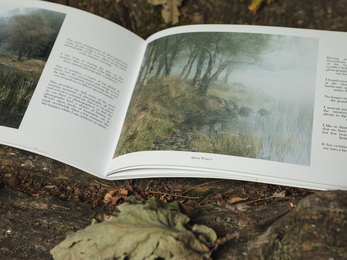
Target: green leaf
141, 231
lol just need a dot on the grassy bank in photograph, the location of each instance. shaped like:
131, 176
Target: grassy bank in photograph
18, 81
171, 108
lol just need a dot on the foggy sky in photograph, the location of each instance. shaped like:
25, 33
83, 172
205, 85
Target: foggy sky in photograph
290, 69
286, 69
8, 10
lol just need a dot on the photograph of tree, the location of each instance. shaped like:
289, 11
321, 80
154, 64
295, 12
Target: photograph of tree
27, 37
240, 94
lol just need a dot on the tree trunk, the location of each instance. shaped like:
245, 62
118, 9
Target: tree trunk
191, 66
199, 68
170, 65
211, 64
153, 61
191, 57
150, 65
226, 79
204, 87
165, 55
160, 67
20, 54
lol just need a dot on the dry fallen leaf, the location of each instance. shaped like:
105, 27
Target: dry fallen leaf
236, 199
256, 4
151, 230
170, 10
281, 194
121, 193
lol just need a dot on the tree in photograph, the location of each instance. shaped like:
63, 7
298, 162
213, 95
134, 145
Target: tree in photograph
54, 20
158, 50
191, 58
28, 34
150, 64
4, 24
229, 48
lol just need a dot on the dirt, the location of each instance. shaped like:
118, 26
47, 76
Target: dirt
42, 201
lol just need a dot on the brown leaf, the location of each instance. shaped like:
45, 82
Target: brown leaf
221, 203
218, 196
120, 193
170, 10
235, 200
123, 191
281, 194
108, 196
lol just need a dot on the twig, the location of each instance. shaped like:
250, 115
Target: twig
222, 240
105, 185
203, 201
202, 185
249, 202
174, 195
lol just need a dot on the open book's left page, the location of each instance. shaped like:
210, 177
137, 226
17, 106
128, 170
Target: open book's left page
66, 78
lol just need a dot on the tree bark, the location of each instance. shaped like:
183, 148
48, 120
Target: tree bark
191, 66
199, 68
204, 87
154, 60
226, 79
169, 66
211, 63
150, 65
191, 59
160, 67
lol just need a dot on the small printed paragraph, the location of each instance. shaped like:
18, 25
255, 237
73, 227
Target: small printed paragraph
335, 130
336, 65
79, 103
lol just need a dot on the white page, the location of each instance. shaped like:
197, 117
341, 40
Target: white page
62, 135
324, 169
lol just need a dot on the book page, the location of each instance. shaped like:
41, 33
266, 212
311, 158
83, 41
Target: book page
247, 102
65, 95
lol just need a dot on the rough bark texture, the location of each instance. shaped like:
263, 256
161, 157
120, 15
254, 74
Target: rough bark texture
315, 229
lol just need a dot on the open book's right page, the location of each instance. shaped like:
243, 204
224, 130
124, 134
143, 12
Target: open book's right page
256, 103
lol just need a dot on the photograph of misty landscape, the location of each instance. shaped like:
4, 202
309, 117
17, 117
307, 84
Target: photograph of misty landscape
27, 37
239, 94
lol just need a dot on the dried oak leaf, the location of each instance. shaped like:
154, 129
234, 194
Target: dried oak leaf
148, 230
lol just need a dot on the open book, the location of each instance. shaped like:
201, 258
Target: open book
250, 103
